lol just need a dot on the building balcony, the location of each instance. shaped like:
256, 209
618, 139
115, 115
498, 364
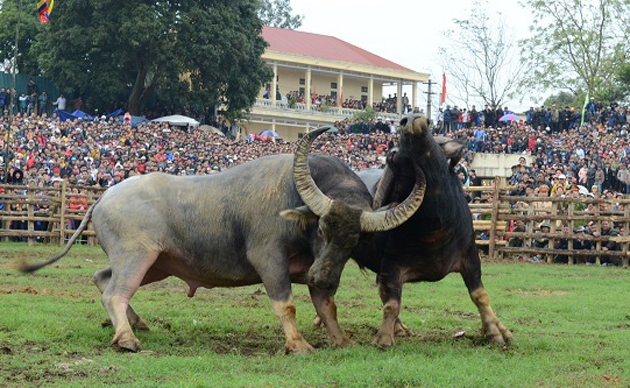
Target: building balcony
324, 113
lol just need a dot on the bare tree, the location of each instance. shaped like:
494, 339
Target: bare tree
481, 58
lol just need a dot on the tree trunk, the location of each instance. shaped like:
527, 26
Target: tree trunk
136, 102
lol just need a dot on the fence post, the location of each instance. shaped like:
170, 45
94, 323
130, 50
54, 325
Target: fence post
495, 217
570, 257
30, 211
624, 246
62, 213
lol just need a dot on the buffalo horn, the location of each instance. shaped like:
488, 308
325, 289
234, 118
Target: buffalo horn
312, 196
394, 217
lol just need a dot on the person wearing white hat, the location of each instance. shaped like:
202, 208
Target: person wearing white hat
560, 181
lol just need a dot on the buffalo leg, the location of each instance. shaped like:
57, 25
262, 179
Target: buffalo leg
390, 290
490, 325
277, 282
101, 279
123, 284
327, 313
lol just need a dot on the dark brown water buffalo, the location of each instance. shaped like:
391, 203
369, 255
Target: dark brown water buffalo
437, 240
225, 230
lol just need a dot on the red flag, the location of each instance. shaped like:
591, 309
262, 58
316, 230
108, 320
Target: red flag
443, 100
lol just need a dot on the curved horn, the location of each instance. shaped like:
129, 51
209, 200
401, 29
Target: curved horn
392, 218
312, 196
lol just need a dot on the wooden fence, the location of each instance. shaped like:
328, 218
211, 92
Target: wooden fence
35, 214
565, 215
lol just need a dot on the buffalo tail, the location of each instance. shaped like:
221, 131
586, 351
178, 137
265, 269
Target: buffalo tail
28, 268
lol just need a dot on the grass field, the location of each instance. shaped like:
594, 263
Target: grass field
571, 327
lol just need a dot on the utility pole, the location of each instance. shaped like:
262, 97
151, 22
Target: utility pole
429, 93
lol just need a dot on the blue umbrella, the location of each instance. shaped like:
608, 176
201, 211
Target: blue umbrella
269, 133
509, 117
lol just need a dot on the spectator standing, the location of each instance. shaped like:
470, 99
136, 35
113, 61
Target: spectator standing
555, 119
488, 117
600, 177
23, 103
447, 120
43, 103
31, 101
235, 130
60, 103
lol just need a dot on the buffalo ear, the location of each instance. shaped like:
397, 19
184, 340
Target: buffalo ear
454, 151
302, 214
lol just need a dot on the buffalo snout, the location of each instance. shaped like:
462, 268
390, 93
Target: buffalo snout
325, 277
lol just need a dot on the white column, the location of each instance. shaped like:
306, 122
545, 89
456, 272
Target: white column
274, 84
307, 90
339, 91
399, 97
414, 95
371, 91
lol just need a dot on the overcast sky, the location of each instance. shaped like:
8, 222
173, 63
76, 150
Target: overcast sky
407, 32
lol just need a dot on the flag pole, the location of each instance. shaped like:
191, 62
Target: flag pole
12, 106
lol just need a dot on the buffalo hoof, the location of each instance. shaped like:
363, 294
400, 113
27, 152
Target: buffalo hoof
384, 340
140, 325
345, 343
298, 347
401, 330
498, 334
127, 341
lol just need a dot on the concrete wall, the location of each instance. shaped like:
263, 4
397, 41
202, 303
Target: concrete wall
491, 165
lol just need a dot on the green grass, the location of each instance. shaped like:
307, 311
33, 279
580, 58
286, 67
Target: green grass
571, 326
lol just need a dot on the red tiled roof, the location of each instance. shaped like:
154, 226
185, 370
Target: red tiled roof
323, 46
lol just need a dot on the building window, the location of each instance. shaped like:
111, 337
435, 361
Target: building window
363, 98
302, 91
302, 81
333, 85
333, 94
364, 89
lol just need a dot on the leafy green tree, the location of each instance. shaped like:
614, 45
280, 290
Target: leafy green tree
480, 59
183, 54
564, 98
23, 21
577, 44
366, 115
621, 89
277, 13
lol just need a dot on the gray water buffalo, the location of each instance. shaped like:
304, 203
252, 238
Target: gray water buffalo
225, 230
436, 240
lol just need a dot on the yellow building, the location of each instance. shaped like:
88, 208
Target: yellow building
309, 64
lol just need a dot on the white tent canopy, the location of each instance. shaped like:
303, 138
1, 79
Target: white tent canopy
179, 120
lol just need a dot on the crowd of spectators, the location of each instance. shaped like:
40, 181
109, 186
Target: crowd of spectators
595, 155
43, 151
565, 159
